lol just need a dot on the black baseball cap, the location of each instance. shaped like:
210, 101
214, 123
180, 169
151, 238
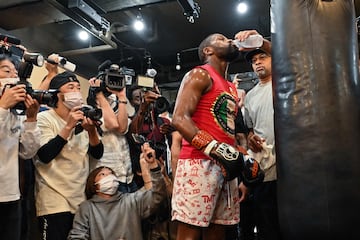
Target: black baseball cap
249, 55
61, 79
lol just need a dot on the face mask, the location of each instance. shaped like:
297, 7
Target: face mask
72, 99
108, 185
4, 81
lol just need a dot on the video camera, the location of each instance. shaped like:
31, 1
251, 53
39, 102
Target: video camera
9, 48
114, 77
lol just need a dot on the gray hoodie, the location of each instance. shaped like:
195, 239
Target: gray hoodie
120, 216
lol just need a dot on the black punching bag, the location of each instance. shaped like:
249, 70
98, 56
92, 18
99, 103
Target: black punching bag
317, 118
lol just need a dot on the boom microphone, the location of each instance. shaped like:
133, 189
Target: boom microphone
104, 65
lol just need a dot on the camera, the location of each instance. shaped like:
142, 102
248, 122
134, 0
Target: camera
9, 48
91, 112
63, 63
94, 114
48, 97
114, 77
246, 81
161, 105
159, 147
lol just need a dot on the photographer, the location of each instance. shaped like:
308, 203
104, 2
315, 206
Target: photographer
19, 138
62, 162
109, 214
158, 131
116, 148
147, 122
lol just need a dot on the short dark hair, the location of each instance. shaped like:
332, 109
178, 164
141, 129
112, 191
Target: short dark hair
130, 90
90, 188
205, 43
7, 57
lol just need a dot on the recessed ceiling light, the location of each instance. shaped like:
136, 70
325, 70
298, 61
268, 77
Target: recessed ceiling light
242, 7
138, 25
83, 35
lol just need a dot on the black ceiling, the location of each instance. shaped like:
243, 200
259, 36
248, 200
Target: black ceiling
50, 26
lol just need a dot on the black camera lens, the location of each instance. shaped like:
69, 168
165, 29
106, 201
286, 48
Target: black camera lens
161, 105
48, 97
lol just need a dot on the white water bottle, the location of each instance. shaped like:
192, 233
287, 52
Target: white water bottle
253, 41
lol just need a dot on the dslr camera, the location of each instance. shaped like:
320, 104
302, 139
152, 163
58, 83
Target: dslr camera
147, 83
91, 112
8, 46
159, 147
94, 114
48, 97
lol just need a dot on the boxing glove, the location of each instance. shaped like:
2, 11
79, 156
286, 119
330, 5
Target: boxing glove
228, 158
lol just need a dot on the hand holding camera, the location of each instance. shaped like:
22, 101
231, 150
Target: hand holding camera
32, 108
74, 117
12, 95
90, 120
148, 154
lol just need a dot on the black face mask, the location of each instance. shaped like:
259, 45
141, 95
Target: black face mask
232, 53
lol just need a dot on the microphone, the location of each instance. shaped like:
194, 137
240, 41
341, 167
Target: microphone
105, 65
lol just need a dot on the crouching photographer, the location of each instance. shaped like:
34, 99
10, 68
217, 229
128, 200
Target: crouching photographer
108, 92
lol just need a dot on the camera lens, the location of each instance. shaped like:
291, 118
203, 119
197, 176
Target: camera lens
161, 105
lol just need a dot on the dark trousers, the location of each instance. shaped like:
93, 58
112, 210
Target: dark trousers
55, 226
266, 211
247, 218
10, 220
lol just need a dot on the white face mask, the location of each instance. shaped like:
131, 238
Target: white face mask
108, 185
73, 99
4, 81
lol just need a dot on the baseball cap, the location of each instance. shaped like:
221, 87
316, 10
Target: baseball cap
61, 79
249, 55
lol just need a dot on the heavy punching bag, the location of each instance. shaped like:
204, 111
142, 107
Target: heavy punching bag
317, 118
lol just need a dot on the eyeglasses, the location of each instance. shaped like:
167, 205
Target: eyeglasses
260, 57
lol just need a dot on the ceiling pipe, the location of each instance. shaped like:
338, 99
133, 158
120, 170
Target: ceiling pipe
86, 50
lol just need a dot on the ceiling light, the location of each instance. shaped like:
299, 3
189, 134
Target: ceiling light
138, 24
83, 35
242, 7
150, 72
178, 62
